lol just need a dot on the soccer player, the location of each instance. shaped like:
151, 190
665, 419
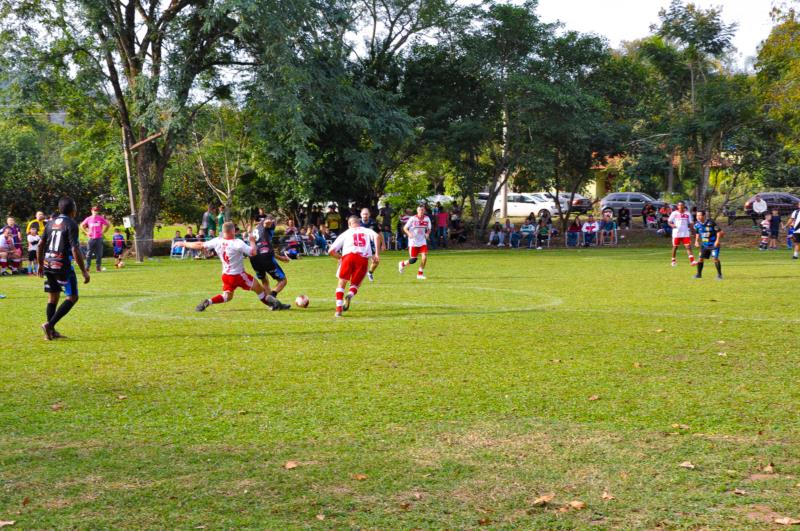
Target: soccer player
681, 222
118, 242
793, 224
707, 238
417, 228
231, 252
59, 247
265, 262
353, 248
368, 223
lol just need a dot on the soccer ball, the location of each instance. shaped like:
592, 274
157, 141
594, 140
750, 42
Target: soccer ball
301, 301
120, 265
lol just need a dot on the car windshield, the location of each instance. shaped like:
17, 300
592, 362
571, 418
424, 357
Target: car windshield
534, 198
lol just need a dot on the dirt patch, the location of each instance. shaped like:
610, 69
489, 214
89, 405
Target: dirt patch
759, 513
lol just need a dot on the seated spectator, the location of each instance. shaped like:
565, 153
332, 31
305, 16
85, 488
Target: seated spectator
509, 229
291, 229
573, 232
177, 238
624, 218
9, 254
497, 235
531, 219
514, 238
386, 232
647, 211
528, 231
589, 230
190, 237
608, 229
457, 230
542, 234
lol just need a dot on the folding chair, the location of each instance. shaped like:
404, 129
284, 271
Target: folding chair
177, 252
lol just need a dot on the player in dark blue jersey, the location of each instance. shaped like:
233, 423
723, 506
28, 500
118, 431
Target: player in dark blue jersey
707, 237
56, 252
265, 262
368, 223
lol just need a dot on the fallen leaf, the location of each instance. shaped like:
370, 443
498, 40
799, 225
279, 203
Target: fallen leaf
291, 464
556, 361
637, 365
608, 497
359, 477
122, 397
660, 330
5, 523
320, 517
543, 500
723, 354
564, 509
405, 506
680, 426
769, 469
25, 501
484, 521
624, 475
57, 407
720, 342
577, 505
740, 492
687, 464
417, 495
787, 521
594, 397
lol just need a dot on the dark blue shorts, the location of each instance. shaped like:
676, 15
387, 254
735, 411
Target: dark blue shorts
58, 282
268, 267
710, 252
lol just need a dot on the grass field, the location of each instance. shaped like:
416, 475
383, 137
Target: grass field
450, 403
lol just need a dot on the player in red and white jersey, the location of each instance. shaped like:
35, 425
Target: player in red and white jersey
353, 248
232, 252
681, 222
418, 228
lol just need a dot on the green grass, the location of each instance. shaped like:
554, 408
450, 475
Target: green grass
461, 399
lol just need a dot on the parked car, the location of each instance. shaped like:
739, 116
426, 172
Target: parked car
634, 201
521, 205
785, 203
580, 204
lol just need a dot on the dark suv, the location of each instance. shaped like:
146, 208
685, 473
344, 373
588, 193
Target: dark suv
784, 202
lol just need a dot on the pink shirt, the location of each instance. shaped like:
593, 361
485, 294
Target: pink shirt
95, 224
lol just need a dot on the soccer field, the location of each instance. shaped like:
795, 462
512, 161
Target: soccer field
454, 402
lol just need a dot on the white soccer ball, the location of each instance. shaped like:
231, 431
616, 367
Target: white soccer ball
301, 301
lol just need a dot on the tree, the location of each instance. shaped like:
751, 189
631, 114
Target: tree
150, 64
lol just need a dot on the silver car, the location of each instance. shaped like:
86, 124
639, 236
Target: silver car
633, 201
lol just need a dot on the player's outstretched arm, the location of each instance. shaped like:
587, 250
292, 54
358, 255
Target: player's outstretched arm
190, 245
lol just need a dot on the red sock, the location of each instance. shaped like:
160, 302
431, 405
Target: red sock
339, 299
405, 263
353, 290
217, 299
3, 264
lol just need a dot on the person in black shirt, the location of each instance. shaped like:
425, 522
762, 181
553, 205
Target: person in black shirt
265, 262
58, 249
624, 218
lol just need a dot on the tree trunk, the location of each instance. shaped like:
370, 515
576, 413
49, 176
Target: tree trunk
504, 175
671, 174
150, 176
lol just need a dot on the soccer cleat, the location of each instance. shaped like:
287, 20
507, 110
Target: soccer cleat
794, 257
694, 262
56, 335
202, 306
400, 266
674, 263
278, 306
347, 299
421, 277
371, 277
48, 331
337, 314
719, 277
697, 276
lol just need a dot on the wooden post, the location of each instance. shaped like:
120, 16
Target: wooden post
126, 155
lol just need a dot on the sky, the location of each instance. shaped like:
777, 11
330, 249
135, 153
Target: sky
626, 20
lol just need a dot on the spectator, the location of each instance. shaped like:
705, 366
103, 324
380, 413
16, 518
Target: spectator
508, 230
608, 228
385, 214
95, 227
663, 220
386, 232
442, 224
759, 208
774, 229
624, 218
118, 245
528, 231
9, 254
333, 220
648, 210
763, 243
542, 234
573, 232
514, 238
259, 217
208, 224
33, 244
497, 234
402, 237
177, 238
589, 230
291, 229
531, 219
457, 230
192, 237
220, 217
38, 222
16, 238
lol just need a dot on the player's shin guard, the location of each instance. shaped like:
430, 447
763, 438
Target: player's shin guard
718, 265
51, 311
700, 268
62, 310
339, 299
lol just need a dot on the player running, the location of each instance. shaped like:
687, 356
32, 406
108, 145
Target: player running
55, 254
418, 229
231, 253
265, 262
368, 223
353, 248
708, 236
681, 222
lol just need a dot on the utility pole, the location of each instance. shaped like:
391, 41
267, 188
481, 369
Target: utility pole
126, 155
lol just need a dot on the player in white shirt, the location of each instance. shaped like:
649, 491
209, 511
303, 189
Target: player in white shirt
417, 228
681, 222
231, 252
353, 248
794, 224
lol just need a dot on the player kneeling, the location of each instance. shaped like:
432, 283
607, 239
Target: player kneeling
231, 253
353, 248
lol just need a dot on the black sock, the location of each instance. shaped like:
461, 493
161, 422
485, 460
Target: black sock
273, 293
719, 268
51, 310
700, 269
63, 310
